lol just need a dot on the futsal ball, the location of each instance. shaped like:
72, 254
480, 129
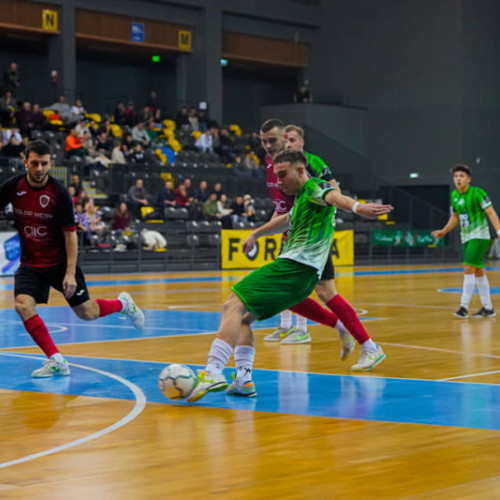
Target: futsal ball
177, 381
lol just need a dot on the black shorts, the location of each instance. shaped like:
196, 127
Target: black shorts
328, 271
36, 282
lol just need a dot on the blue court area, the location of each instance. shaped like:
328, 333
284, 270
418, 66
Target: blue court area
494, 290
66, 328
362, 397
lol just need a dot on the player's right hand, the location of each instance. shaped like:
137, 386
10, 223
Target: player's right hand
439, 233
248, 244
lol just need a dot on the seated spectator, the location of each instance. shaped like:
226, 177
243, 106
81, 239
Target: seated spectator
152, 133
131, 118
218, 189
166, 198
128, 143
202, 120
193, 119
205, 142
249, 208
137, 155
14, 148
120, 114
8, 107
63, 109
201, 194
24, 119
76, 183
189, 189
103, 144
254, 142
182, 119
78, 110
239, 211
82, 224
223, 208
82, 197
81, 128
182, 199
74, 144
105, 128
140, 135
10, 79
38, 118
251, 161
117, 155
72, 193
137, 197
154, 106
238, 167
146, 115
210, 209
226, 146
122, 219
97, 226
12, 131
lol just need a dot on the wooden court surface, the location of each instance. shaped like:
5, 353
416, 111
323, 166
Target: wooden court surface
199, 452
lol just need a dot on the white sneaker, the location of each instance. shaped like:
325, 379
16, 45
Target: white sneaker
51, 368
348, 345
369, 360
297, 337
132, 311
206, 382
279, 334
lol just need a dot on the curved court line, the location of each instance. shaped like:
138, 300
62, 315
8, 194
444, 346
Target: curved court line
140, 404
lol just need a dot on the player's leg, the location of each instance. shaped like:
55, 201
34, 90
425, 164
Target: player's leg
30, 288
371, 354
476, 257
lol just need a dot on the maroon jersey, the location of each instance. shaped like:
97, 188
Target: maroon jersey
283, 203
40, 216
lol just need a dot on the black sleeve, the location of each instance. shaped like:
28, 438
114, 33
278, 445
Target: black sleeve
7, 190
65, 209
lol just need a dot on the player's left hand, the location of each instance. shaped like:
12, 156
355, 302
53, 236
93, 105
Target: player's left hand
248, 244
69, 285
372, 210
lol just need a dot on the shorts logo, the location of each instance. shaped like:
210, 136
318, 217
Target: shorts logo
44, 200
80, 292
20, 193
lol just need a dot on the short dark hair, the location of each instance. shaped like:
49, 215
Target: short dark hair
459, 167
39, 147
270, 124
291, 156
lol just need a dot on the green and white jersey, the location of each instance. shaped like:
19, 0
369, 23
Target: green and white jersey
312, 224
470, 207
316, 167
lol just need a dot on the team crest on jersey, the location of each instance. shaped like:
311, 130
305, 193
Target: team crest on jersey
461, 201
44, 200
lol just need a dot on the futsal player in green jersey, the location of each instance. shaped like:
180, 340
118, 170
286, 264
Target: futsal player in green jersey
469, 207
292, 277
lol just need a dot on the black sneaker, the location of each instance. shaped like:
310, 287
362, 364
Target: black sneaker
462, 313
485, 313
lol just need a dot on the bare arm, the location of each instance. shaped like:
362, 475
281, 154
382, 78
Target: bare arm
450, 225
71, 244
274, 226
369, 210
492, 215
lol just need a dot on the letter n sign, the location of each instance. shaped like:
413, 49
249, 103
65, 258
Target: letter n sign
185, 40
50, 21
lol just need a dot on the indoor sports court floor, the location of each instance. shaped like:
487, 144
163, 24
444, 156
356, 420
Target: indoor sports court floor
424, 424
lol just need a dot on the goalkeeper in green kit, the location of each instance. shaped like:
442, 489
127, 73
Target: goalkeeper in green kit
470, 205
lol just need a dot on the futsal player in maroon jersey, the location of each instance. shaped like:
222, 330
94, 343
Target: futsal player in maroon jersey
45, 219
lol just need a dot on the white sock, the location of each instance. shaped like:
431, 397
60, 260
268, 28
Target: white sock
301, 323
124, 304
369, 345
340, 327
58, 357
468, 290
483, 287
286, 320
220, 352
243, 359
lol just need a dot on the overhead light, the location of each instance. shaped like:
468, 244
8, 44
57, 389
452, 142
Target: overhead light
414, 175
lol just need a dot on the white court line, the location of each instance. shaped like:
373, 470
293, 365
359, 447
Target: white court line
140, 404
469, 376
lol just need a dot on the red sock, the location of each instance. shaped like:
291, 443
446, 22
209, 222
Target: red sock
39, 333
310, 309
348, 316
107, 307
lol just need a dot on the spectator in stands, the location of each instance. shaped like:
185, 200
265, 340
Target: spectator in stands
38, 118
302, 95
74, 144
249, 208
210, 209
105, 127
72, 193
81, 128
146, 115
8, 107
215, 139
24, 119
223, 208
11, 80
13, 131
122, 219
76, 183
137, 197
137, 155
131, 115
103, 143
226, 146
63, 109
182, 119
128, 143
82, 224
166, 198
152, 133
201, 194
251, 161
238, 167
254, 142
182, 199
14, 148
189, 188
78, 110
154, 105
82, 197
120, 114
239, 211
97, 226
117, 155
205, 142
202, 120
218, 189
193, 119
140, 135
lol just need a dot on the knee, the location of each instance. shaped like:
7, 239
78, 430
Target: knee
232, 304
87, 313
23, 308
325, 291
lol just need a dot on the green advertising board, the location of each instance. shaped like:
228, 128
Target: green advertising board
398, 238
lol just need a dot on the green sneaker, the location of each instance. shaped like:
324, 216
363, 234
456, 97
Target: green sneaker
369, 360
297, 337
51, 368
246, 390
279, 334
206, 382
131, 310
348, 345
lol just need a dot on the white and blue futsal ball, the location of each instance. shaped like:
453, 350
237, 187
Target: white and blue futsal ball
177, 381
